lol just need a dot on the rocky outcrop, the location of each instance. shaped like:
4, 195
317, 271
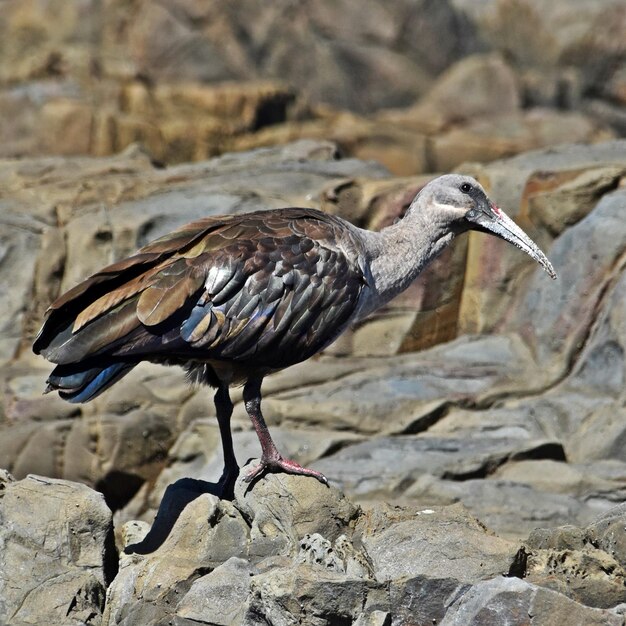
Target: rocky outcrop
481, 420
290, 550
520, 427
419, 85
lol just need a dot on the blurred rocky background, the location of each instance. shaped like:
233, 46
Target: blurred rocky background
474, 430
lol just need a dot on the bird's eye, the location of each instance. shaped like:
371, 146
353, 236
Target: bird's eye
466, 187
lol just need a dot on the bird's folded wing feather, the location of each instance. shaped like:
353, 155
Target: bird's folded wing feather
271, 286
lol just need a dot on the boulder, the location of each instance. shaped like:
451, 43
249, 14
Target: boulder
496, 137
478, 86
58, 554
486, 603
289, 549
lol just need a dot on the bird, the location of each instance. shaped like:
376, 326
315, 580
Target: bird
234, 298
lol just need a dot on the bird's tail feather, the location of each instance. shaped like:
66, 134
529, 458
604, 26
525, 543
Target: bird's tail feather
81, 383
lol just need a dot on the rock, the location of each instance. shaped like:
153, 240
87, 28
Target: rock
478, 86
388, 465
507, 135
217, 597
496, 503
290, 549
383, 138
586, 564
493, 272
279, 511
404, 393
439, 543
92, 80
310, 595
485, 603
589, 576
597, 242
581, 480
554, 39
201, 531
606, 113
58, 555
575, 193
198, 453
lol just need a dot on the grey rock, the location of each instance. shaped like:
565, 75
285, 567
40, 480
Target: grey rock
555, 321
339, 556
483, 140
517, 601
374, 618
19, 234
438, 543
194, 532
57, 554
479, 85
282, 509
391, 464
198, 453
608, 532
497, 503
305, 594
423, 599
219, 597
401, 394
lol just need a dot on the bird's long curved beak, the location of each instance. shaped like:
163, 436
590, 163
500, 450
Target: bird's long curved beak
488, 218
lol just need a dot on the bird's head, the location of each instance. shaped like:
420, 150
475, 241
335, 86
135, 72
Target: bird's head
459, 203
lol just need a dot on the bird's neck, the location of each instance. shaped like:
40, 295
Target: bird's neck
398, 253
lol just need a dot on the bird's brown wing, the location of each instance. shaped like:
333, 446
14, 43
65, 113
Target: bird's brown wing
269, 288
102, 307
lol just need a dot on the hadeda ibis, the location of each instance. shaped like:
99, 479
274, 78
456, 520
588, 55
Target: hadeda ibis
237, 297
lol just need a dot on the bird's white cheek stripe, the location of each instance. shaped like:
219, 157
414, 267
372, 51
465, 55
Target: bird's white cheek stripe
450, 207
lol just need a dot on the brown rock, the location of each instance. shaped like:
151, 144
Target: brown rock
398, 148
556, 200
67, 127
478, 86
506, 135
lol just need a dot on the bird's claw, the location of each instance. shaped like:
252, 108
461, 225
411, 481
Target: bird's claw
280, 464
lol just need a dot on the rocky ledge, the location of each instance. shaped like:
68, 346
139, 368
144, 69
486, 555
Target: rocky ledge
289, 550
513, 415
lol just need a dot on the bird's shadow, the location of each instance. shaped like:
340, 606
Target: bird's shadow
176, 497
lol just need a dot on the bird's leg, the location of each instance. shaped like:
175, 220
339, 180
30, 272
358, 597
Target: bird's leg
224, 409
271, 459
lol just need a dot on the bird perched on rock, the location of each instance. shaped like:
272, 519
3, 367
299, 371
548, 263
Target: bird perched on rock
237, 297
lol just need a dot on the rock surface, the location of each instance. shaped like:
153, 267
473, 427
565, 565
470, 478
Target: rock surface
58, 554
498, 449
479, 419
419, 85
290, 550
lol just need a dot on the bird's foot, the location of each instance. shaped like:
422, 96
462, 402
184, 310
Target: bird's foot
279, 464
